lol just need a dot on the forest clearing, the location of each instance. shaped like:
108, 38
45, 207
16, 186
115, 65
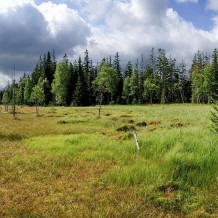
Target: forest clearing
67, 162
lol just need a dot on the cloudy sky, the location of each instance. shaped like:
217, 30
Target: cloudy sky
29, 28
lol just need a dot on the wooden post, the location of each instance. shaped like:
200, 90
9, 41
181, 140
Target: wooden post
136, 140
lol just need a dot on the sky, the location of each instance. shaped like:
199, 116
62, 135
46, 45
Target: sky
30, 28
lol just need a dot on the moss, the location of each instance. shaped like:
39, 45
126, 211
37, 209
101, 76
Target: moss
125, 128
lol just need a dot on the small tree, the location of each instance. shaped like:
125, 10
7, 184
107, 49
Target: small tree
38, 95
61, 82
150, 90
106, 81
214, 118
27, 91
5, 100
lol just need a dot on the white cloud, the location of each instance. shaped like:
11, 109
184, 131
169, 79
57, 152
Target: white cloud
93, 10
12, 4
134, 27
62, 19
212, 5
131, 27
28, 31
4, 80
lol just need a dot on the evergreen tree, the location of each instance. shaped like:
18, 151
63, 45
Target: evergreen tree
128, 70
117, 96
39, 72
162, 68
172, 80
134, 86
28, 90
80, 93
5, 100
88, 79
20, 92
179, 84
215, 72
127, 91
49, 69
209, 84
197, 77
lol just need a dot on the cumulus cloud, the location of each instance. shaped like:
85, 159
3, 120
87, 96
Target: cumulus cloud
93, 11
131, 27
212, 5
28, 30
4, 80
12, 4
134, 27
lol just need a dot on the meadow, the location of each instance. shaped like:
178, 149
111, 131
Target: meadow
69, 163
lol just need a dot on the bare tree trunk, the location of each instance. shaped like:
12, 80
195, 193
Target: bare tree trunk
37, 112
13, 97
181, 94
100, 103
14, 111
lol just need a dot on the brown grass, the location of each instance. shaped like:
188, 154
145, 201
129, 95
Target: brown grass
34, 183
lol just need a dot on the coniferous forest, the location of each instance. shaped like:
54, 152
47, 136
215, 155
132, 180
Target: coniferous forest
153, 79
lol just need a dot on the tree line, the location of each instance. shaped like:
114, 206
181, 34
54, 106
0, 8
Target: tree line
157, 78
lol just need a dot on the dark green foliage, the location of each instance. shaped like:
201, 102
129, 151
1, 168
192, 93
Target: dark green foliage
214, 118
141, 124
155, 79
126, 128
28, 90
117, 95
1, 95
79, 94
20, 92
49, 70
61, 82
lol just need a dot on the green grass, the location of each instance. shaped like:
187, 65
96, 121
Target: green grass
91, 167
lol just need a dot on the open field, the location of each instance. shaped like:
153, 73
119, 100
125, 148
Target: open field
69, 163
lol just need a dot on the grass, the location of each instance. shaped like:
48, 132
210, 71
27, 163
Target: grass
69, 163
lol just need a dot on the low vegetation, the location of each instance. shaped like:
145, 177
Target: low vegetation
69, 163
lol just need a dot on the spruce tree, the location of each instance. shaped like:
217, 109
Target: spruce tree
162, 68
197, 77
5, 100
134, 87
117, 96
38, 72
78, 94
215, 72
20, 91
27, 91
